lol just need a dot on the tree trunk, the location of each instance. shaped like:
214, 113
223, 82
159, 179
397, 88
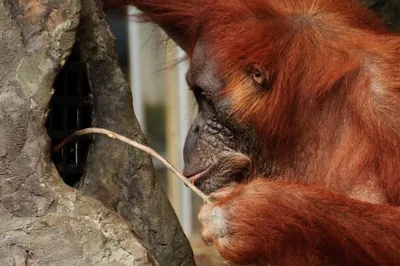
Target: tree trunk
121, 216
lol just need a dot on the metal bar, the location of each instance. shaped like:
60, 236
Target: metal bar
187, 221
134, 66
172, 134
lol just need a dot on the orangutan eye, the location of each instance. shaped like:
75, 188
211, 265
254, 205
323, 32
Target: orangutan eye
201, 95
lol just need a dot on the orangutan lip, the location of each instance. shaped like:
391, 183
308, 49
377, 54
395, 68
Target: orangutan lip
195, 177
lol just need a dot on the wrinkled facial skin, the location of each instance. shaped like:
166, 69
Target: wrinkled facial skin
216, 148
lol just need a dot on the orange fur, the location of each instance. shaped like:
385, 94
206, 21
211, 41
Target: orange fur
329, 126
284, 223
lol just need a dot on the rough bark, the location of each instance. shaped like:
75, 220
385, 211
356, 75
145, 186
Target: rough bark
120, 176
43, 221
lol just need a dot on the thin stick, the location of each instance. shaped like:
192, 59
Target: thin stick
135, 144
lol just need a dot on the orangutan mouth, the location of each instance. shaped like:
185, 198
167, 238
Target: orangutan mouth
197, 176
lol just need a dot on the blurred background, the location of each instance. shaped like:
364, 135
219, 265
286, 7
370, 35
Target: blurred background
164, 107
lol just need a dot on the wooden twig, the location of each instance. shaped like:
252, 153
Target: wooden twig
135, 144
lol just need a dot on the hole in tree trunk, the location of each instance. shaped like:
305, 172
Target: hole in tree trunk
70, 110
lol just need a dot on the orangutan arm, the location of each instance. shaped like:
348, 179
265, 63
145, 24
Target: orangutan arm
296, 224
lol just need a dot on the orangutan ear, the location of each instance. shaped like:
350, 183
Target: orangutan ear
260, 76
175, 17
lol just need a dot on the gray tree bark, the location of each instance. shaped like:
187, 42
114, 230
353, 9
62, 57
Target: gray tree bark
121, 216
120, 176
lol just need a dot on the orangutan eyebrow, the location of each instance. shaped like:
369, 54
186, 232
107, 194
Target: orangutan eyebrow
203, 70
205, 78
